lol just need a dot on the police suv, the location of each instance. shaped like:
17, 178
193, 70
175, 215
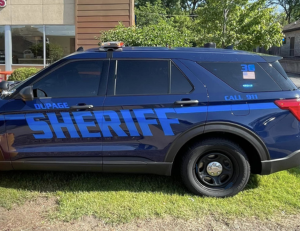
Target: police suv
211, 115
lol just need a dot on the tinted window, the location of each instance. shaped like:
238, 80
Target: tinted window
244, 77
179, 83
279, 68
75, 79
283, 81
149, 77
140, 77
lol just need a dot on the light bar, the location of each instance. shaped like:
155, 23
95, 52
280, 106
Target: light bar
112, 45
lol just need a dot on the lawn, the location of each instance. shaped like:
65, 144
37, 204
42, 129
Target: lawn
119, 198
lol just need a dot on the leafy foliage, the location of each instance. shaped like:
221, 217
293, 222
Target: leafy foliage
290, 7
245, 24
150, 14
238, 22
55, 52
23, 73
161, 34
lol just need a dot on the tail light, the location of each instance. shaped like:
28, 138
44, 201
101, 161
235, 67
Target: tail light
290, 104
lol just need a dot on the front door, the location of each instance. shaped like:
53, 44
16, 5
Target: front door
60, 121
149, 104
292, 46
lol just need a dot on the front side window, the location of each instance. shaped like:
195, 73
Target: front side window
149, 77
74, 79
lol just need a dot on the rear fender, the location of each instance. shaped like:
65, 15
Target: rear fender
225, 127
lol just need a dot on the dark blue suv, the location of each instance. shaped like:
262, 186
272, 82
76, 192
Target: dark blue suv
214, 116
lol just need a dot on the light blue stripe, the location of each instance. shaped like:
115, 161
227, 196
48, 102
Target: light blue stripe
258, 106
237, 107
191, 109
219, 108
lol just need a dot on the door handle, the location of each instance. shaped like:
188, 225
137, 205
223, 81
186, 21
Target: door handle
182, 102
82, 107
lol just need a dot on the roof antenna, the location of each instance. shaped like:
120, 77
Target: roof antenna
80, 49
210, 45
229, 47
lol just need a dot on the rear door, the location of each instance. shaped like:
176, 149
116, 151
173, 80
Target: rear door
149, 104
60, 121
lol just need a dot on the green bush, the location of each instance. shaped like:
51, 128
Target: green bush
161, 34
23, 73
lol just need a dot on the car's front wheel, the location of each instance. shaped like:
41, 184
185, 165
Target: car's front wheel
215, 168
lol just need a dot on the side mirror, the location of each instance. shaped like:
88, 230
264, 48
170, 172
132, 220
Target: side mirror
4, 86
26, 94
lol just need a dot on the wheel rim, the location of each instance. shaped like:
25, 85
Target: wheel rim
214, 169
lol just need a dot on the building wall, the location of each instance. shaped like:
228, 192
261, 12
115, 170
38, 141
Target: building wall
285, 49
291, 66
93, 16
88, 17
38, 12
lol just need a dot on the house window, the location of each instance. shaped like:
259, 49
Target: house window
2, 45
40, 45
60, 41
27, 45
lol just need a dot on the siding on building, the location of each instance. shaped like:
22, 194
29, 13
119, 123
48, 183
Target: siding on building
285, 49
93, 16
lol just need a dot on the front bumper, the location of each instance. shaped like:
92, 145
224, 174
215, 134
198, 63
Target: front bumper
271, 166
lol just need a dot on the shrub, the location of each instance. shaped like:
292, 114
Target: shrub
55, 52
23, 73
161, 34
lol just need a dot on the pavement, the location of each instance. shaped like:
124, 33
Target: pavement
295, 78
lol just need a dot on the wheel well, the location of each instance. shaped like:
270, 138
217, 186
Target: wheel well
250, 150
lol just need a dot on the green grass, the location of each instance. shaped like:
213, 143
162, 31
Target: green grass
120, 198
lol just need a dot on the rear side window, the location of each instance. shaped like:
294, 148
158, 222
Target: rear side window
179, 83
276, 71
244, 77
142, 77
149, 77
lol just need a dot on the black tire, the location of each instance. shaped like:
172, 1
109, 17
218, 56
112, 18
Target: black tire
232, 178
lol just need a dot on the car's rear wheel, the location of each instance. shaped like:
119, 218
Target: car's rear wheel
215, 168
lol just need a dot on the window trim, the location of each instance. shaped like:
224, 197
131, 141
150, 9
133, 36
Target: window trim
65, 63
170, 62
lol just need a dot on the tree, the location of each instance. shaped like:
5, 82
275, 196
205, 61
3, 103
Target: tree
290, 7
150, 14
238, 22
174, 6
161, 34
191, 6
169, 5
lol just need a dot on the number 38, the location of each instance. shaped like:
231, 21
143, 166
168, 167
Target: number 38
248, 67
